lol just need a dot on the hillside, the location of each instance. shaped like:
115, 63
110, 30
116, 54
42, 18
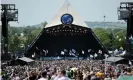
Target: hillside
120, 25
107, 24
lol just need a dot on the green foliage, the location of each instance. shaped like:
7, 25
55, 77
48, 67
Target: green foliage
111, 38
14, 43
20, 37
103, 36
44, 23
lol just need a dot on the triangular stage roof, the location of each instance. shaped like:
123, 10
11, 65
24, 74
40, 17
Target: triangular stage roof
66, 8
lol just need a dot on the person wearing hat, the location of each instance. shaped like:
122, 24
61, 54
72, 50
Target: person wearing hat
93, 76
100, 74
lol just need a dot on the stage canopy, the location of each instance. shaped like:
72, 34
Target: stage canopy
67, 35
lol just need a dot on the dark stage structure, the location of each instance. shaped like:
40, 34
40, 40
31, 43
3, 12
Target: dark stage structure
60, 37
66, 36
126, 13
8, 13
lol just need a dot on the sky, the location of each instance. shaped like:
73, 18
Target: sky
32, 12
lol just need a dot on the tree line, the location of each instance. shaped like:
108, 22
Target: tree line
20, 37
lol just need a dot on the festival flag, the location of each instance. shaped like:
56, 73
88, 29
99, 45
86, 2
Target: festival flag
121, 48
62, 52
65, 50
44, 51
116, 51
70, 53
91, 56
100, 52
131, 37
130, 62
74, 54
73, 50
82, 52
16, 57
37, 48
33, 55
106, 55
89, 50
95, 55
23, 55
123, 53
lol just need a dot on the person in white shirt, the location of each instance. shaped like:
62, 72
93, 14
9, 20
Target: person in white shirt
53, 76
63, 76
17, 78
44, 76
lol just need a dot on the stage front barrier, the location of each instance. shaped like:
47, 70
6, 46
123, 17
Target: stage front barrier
62, 58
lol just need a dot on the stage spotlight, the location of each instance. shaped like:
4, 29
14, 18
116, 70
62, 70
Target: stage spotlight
125, 10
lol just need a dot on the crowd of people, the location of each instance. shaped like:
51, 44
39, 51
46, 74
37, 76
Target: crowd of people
65, 70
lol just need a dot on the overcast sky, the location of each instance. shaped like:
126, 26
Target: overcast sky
33, 12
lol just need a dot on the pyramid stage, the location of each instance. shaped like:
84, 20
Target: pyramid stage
66, 36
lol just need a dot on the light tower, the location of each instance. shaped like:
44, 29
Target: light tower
104, 17
8, 13
125, 12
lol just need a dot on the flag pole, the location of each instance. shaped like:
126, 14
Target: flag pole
105, 64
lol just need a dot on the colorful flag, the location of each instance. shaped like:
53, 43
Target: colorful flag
91, 56
100, 52
82, 52
130, 62
62, 52
89, 50
95, 55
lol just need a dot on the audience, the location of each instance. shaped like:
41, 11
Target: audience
65, 70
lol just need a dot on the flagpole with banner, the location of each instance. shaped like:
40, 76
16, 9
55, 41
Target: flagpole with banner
105, 64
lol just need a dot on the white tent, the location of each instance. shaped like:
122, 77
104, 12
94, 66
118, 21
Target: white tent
66, 8
26, 59
114, 59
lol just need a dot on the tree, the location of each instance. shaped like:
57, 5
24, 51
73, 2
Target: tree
14, 43
44, 23
103, 36
30, 35
119, 40
111, 38
13, 39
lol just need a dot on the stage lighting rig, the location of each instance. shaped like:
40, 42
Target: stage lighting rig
8, 13
125, 12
